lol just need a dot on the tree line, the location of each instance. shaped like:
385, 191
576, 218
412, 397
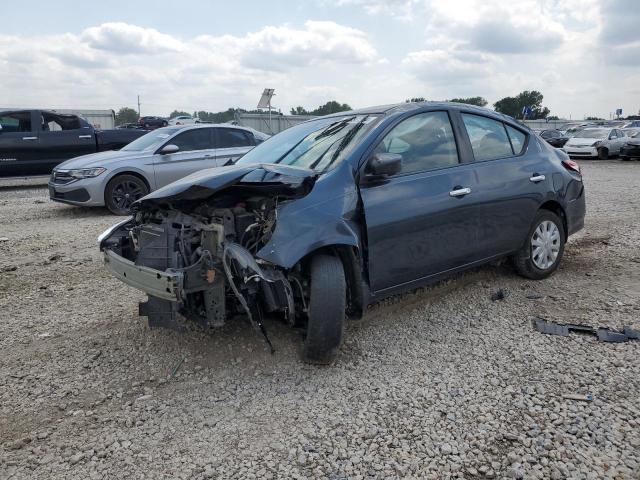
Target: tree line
512, 106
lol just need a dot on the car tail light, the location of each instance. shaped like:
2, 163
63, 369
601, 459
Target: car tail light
572, 166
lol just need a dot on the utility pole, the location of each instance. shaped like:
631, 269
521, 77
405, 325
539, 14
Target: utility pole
138, 106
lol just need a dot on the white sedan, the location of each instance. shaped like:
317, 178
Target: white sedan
183, 120
600, 142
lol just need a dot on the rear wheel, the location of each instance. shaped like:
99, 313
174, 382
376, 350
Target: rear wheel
541, 253
122, 191
603, 153
327, 305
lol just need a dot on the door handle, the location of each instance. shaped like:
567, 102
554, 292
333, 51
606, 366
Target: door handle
29, 138
85, 136
460, 192
208, 156
537, 178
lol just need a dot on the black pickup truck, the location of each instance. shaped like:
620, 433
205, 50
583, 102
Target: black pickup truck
32, 142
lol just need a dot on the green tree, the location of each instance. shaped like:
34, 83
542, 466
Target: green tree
299, 111
330, 107
415, 100
126, 115
513, 106
178, 113
553, 117
478, 101
594, 118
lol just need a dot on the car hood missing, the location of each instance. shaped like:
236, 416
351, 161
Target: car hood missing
266, 178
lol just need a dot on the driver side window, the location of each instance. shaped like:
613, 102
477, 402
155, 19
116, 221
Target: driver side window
196, 139
425, 141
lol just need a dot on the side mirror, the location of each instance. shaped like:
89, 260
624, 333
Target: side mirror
0, 128
384, 164
169, 149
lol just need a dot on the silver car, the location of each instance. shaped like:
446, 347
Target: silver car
116, 179
596, 142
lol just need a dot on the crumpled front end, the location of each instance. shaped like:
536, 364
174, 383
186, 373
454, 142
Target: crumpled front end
195, 254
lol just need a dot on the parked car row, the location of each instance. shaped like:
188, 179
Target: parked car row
335, 213
596, 142
151, 122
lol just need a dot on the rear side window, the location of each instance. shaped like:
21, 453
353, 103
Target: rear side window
425, 141
197, 139
488, 137
230, 137
517, 139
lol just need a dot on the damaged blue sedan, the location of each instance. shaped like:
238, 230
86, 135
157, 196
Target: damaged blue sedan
333, 214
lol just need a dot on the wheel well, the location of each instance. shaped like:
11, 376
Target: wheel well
352, 263
556, 208
135, 174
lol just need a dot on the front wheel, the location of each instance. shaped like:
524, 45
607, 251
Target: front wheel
541, 253
327, 306
122, 191
603, 153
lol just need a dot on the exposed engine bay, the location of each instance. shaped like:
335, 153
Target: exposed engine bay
208, 258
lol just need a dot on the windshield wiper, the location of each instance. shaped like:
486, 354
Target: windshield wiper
334, 127
345, 141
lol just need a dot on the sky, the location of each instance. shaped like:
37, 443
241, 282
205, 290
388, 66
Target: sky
583, 55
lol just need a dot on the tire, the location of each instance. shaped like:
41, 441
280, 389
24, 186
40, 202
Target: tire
534, 267
122, 191
624, 158
164, 124
327, 307
603, 153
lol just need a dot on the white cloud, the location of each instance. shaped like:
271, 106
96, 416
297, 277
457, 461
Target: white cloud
109, 64
280, 48
124, 38
445, 67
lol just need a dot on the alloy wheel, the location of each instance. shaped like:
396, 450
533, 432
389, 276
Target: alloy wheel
125, 193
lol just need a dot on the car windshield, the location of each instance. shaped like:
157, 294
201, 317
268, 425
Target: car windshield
631, 132
150, 141
318, 144
592, 133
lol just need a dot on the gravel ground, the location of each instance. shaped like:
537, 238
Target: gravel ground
439, 383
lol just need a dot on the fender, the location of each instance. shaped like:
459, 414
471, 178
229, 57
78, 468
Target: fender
328, 215
303, 231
